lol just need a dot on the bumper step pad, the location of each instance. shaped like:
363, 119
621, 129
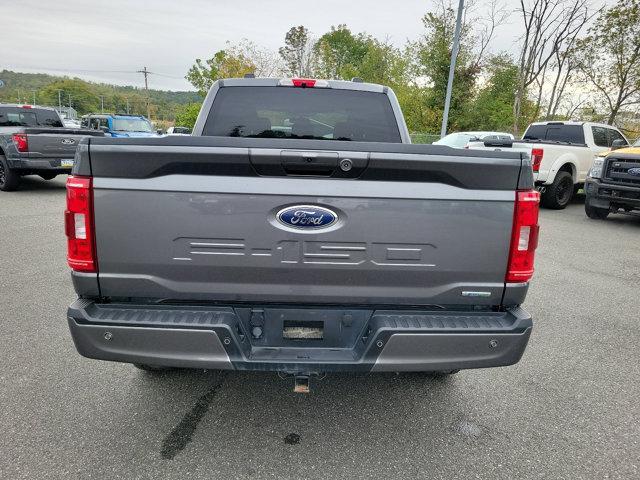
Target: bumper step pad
377, 340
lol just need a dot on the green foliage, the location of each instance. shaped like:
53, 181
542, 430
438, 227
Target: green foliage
340, 53
229, 63
492, 107
382, 63
78, 92
609, 57
85, 96
187, 115
433, 54
297, 52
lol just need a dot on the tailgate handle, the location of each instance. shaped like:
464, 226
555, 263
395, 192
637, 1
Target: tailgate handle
309, 163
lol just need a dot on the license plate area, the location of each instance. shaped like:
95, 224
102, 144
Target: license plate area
66, 163
295, 330
312, 327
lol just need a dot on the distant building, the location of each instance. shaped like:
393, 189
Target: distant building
67, 112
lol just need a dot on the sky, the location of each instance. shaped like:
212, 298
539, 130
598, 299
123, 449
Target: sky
109, 41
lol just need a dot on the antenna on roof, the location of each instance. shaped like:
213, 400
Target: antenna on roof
356, 80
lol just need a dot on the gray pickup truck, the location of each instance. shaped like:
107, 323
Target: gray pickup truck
33, 141
298, 231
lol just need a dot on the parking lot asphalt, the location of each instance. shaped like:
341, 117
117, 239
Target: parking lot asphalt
569, 409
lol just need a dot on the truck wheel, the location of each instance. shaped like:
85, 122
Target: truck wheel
150, 368
595, 212
9, 179
558, 195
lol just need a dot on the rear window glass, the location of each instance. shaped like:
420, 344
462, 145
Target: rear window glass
613, 135
556, 133
131, 125
28, 117
310, 113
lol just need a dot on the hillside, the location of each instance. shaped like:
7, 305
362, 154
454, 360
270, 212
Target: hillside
88, 96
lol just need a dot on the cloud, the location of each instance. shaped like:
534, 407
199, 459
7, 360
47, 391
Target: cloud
109, 41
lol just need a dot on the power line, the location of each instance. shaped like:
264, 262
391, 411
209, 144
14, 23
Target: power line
82, 70
165, 75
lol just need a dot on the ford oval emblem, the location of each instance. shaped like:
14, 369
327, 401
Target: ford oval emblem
307, 217
68, 141
634, 172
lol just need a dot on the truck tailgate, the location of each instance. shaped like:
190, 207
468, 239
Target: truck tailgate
415, 225
56, 142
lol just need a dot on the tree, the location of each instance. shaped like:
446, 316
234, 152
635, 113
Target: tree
492, 107
549, 26
609, 57
433, 56
340, 53
187, 115
383, 63
74, 91
267, 63
433, 53
298, 52
232, 62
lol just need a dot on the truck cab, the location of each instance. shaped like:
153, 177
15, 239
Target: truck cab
119, 125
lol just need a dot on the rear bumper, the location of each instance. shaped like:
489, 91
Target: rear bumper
51, 165
604, 195
354, 339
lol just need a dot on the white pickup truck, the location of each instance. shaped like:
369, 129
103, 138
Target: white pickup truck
561, 153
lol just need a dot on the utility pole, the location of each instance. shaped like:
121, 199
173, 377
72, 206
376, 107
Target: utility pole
34, 97
59, 101
127, 105
69, 102
146, 73
452, 68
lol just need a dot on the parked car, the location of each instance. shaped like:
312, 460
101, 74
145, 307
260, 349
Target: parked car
70, 123
119, 125
613, 183
332, 245
461, 139
33, 141
562, 153
178, 131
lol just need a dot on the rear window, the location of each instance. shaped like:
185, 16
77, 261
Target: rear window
309, 113
556, 133
131, 125
28, 117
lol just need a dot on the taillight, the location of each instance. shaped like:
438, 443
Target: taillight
20, 141
524, 236
536, 157
78, 223
303, 83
